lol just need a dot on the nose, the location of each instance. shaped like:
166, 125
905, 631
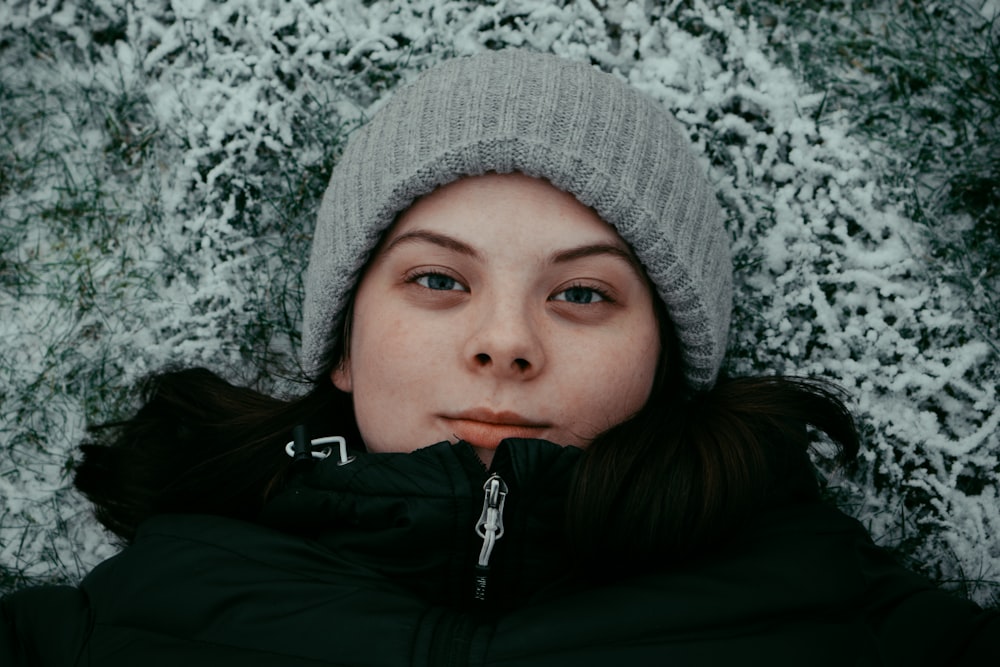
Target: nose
505, 341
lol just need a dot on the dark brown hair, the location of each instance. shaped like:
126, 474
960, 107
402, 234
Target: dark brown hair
686, 473
200, 444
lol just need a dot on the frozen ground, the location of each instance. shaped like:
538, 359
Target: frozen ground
161, 164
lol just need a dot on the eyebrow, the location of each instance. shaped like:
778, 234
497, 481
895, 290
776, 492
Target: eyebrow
442, 240
561, 257
597, 249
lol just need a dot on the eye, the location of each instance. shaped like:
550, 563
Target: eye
438, 282
580, 294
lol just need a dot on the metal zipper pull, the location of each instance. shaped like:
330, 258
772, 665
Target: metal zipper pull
490, 528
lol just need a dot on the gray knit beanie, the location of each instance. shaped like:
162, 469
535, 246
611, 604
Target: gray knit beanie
586, 132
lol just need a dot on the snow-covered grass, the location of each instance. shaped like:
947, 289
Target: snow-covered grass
162, 161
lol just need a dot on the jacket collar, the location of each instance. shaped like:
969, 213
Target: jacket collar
412, 517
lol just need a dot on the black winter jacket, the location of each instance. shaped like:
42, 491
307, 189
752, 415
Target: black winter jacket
375, 564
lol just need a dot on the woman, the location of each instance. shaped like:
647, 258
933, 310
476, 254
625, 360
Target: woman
516, 314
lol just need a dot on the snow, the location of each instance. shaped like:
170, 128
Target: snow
198, 258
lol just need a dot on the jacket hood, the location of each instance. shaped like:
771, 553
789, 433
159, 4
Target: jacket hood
412, 517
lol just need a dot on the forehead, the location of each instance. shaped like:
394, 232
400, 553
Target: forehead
506, 208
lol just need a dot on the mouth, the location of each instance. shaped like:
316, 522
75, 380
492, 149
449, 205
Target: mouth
485, 428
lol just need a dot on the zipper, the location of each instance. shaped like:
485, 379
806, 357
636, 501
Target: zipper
490, 528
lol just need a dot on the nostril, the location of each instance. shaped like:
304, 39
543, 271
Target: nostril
483, 358
522, 364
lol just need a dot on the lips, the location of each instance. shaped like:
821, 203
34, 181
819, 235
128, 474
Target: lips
486, 428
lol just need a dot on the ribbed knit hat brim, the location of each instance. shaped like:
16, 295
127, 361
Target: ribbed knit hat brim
588, 133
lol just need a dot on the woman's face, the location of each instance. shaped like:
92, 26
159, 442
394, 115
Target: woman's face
498, 306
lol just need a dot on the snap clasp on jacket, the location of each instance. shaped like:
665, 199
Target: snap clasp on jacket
302, 449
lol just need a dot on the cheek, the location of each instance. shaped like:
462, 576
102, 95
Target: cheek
633, 371
395, 361
379, 396
612, 383
378, 353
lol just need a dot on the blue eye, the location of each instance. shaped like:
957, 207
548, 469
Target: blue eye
439, 282
580, 295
